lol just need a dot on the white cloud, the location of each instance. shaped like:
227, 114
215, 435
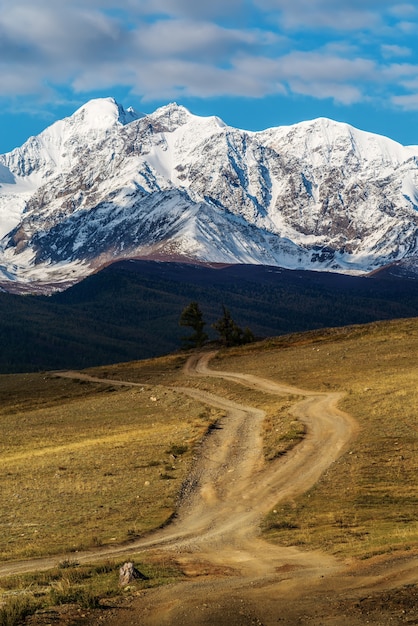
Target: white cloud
176, 78
318, 74
339, 15
318, 65
397, 72
162, 49
406, 102
321, 90
195, 9
407, 27
191, 39
95, 49
403, 10
321, 75
67, 35
391, 50
21, 81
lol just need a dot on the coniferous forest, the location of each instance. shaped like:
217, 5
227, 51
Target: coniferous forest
131, 310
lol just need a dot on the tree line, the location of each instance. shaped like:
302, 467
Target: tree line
230, 334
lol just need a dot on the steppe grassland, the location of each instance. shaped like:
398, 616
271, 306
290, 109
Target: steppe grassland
85, 464
77, 457
367, 502
280, 435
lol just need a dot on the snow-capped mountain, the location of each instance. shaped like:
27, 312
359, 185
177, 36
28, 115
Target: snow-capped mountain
106, 184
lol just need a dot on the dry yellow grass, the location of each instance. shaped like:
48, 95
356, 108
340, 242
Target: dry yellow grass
366, 503
88, 464
281, 431
85, 464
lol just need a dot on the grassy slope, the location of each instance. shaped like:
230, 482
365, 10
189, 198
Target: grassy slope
366, 502
77, 457
85, 464
83, 453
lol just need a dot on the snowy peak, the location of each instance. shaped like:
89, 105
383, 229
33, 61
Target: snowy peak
96, 114
53, 149
108, 183
102, 113
323, 139
169, 117
173, 116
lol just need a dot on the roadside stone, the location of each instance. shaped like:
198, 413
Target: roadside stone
128, 573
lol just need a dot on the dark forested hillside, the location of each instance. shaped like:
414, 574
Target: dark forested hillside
131, 309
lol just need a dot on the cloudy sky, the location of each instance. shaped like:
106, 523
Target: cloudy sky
255, 63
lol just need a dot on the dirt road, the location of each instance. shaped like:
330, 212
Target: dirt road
235, 578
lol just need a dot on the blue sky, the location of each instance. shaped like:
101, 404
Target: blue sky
254, 63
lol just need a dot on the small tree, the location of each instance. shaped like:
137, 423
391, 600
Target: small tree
192, 316
231, 334
247, 336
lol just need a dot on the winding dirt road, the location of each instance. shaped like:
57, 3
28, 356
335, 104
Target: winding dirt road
235, 578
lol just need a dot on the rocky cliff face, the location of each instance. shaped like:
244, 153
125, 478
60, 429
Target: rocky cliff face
107, 184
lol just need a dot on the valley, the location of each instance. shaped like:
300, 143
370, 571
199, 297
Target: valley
131, 310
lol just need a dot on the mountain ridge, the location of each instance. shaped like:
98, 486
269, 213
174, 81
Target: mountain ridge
108, 183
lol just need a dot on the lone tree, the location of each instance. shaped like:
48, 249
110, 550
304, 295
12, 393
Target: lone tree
231, 334
192, 316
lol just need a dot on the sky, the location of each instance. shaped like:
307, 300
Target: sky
254, 63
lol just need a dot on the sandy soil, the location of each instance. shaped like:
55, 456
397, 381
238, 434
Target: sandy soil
233, 577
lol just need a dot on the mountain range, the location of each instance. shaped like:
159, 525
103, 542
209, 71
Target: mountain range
108, 184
